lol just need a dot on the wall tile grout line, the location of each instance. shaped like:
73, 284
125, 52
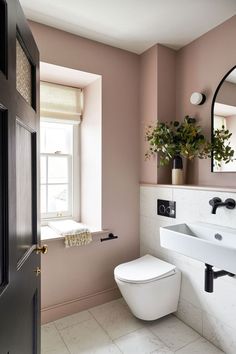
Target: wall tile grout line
193, 341
126, 333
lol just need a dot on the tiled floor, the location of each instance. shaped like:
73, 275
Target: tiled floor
112, 329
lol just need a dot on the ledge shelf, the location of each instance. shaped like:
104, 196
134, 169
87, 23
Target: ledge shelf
48, 234
191, 186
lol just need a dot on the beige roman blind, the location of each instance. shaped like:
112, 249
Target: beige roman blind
60, 102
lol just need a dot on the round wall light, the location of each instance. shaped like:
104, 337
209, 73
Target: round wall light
197, 98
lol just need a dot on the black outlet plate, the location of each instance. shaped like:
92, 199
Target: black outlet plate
166, 208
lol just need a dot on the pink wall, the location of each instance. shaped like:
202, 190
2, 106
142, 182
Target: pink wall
200, 66
148, 110
166, 79
166, 83
74, 279
156, 84
89, 270
91, 156
157, 101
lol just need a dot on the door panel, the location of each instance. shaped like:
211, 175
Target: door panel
3, 36
19, 202
25, 237
3, 201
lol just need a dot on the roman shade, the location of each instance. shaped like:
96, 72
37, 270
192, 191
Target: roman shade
60, 102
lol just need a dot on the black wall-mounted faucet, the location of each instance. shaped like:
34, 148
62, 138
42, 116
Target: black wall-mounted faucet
217, 202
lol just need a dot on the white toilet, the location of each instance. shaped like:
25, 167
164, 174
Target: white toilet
149, 286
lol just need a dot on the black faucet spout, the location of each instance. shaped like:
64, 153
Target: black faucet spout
217, 202
217, 205
213, 211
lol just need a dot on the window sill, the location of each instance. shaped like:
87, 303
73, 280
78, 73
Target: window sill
48, 234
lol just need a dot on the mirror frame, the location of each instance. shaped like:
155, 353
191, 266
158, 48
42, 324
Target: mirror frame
212, 117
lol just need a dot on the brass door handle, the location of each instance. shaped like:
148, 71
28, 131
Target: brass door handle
42, 249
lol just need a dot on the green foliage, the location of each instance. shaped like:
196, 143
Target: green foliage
186, 140
171, 139
221, 148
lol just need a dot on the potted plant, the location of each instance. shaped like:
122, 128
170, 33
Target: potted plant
175, 140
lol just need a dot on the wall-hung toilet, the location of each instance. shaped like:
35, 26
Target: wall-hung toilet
149, 286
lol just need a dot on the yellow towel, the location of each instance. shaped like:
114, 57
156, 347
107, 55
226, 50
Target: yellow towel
75, 234
78, 239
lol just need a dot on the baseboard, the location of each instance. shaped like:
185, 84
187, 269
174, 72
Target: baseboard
52, 313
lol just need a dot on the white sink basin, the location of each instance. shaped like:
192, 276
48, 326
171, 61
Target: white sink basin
212, 244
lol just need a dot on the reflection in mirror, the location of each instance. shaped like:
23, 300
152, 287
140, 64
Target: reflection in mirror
224, 121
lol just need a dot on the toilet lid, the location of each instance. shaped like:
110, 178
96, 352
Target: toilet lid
144, 269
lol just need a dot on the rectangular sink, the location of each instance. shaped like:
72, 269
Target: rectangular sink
209, 243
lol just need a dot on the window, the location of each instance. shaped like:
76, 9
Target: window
59, 163
59, 151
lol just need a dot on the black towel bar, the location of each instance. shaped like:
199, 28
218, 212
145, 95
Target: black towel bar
110, 237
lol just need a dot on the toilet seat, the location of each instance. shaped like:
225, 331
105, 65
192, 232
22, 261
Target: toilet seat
143, 270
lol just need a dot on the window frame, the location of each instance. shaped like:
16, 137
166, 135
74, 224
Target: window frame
74, 174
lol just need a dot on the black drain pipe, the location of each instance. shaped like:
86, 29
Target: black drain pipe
210, 275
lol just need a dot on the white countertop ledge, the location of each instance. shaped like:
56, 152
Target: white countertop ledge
191, 186
48, 234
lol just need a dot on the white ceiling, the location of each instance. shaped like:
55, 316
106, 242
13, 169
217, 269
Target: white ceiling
134, 25
65, 76
232, 77
224, 110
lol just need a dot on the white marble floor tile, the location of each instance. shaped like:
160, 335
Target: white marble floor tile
163, 350
88, 337
112, 329
51, 341
173, 332
72, 320
116, 319
122, 301
141, 341
201, 346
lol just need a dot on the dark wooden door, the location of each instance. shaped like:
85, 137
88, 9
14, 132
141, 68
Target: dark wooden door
19, 229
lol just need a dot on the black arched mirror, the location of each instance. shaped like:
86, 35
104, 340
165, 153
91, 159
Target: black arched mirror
224, 124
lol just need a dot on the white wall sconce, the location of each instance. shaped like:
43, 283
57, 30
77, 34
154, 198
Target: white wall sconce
197, 98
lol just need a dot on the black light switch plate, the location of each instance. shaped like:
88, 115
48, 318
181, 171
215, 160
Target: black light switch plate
166, 208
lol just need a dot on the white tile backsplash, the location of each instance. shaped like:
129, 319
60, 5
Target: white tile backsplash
151, 226
190, 314
213, 315
193, 205
148, 200
219, 333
